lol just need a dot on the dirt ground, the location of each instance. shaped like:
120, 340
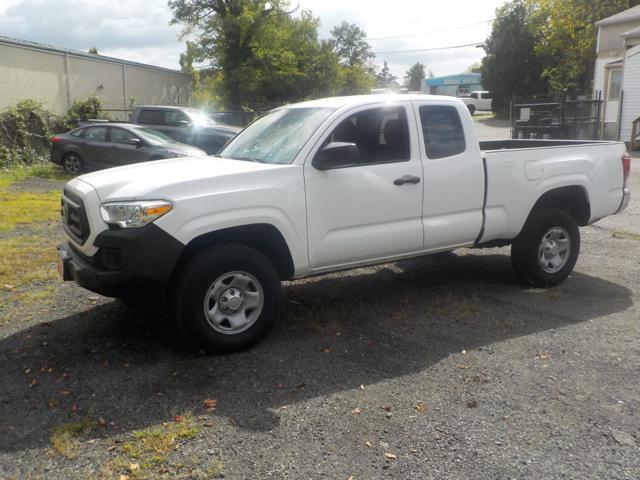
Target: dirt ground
438, 368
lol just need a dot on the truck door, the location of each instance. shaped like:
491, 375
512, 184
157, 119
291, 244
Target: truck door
369, 209
453, 176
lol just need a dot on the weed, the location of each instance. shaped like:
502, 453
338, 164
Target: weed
66, 438
148, 450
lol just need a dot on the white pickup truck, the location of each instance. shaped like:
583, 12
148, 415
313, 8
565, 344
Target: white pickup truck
478, 101
329, 185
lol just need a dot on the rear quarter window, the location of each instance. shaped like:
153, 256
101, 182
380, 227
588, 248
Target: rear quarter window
442, 131
151, 117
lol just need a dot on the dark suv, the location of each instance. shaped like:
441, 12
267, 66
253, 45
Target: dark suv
186, 125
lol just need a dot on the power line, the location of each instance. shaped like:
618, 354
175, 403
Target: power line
432, 32
477, 44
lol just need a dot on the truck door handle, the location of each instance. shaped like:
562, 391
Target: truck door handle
406, 179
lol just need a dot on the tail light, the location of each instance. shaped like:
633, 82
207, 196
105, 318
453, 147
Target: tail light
55, 139
626, 167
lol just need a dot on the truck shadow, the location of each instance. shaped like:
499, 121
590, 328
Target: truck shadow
336, 333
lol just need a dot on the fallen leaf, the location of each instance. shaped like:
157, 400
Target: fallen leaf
302, 385
543, 355
52, 403
419, 407
368, 444
34, 382
133, 467
356, 411
390, 456
387, 408
462, 366
102, 422
472, 404
178, 418
8, 287
123, 477
163, 470
65, 392
414, 450
464, 352
74, 408
361, 387
350, 477
210, 404
325, 350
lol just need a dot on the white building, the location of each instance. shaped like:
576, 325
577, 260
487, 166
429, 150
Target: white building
617, 72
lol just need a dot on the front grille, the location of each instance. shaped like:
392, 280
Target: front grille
74, 217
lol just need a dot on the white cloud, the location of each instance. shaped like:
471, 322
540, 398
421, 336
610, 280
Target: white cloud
139, 30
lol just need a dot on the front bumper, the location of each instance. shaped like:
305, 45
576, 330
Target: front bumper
128, 261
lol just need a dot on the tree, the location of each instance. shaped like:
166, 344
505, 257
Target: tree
93, 50
414, 77
566, 38
386, 79
349, 43
511, 65
257, 53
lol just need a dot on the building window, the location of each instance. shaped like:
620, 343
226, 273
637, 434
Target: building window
615, 84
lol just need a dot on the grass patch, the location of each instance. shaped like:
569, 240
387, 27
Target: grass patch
28, 207
65, 439
147, 453
626, 235
27, 259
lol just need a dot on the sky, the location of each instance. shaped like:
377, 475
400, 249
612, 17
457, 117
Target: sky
139, 30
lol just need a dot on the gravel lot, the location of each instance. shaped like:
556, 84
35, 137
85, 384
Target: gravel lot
438, 368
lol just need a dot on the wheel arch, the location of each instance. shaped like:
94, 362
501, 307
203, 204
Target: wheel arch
263, 237
573, 199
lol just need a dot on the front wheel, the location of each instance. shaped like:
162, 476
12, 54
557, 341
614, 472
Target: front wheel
472, 109
226, 298
545, 252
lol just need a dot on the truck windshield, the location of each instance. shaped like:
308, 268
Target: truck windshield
277, 137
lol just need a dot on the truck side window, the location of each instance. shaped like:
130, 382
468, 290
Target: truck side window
442, 131
381, 134
474, 95
485, 96
174, 117
150, 117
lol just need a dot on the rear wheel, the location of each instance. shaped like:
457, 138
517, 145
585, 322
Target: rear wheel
226, 298
72, 163
472, 109
547, 249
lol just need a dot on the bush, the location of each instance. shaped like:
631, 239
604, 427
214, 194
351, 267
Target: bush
18, 156
26, 128
27, 124
83, 109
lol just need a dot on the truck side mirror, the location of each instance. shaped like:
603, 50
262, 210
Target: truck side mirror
337, 155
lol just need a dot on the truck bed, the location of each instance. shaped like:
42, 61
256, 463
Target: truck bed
518, 172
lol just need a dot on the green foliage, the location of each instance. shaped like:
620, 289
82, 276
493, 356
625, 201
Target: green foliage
356, 73
512, 66
83, 109
566, 38
26, 129
256, 53
385, 78
26, 125
543, 47
414, 77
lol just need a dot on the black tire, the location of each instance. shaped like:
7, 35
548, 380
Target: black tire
195, 284
72, 163
546, 229
472, 109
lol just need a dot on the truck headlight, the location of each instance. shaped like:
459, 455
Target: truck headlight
134, 214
